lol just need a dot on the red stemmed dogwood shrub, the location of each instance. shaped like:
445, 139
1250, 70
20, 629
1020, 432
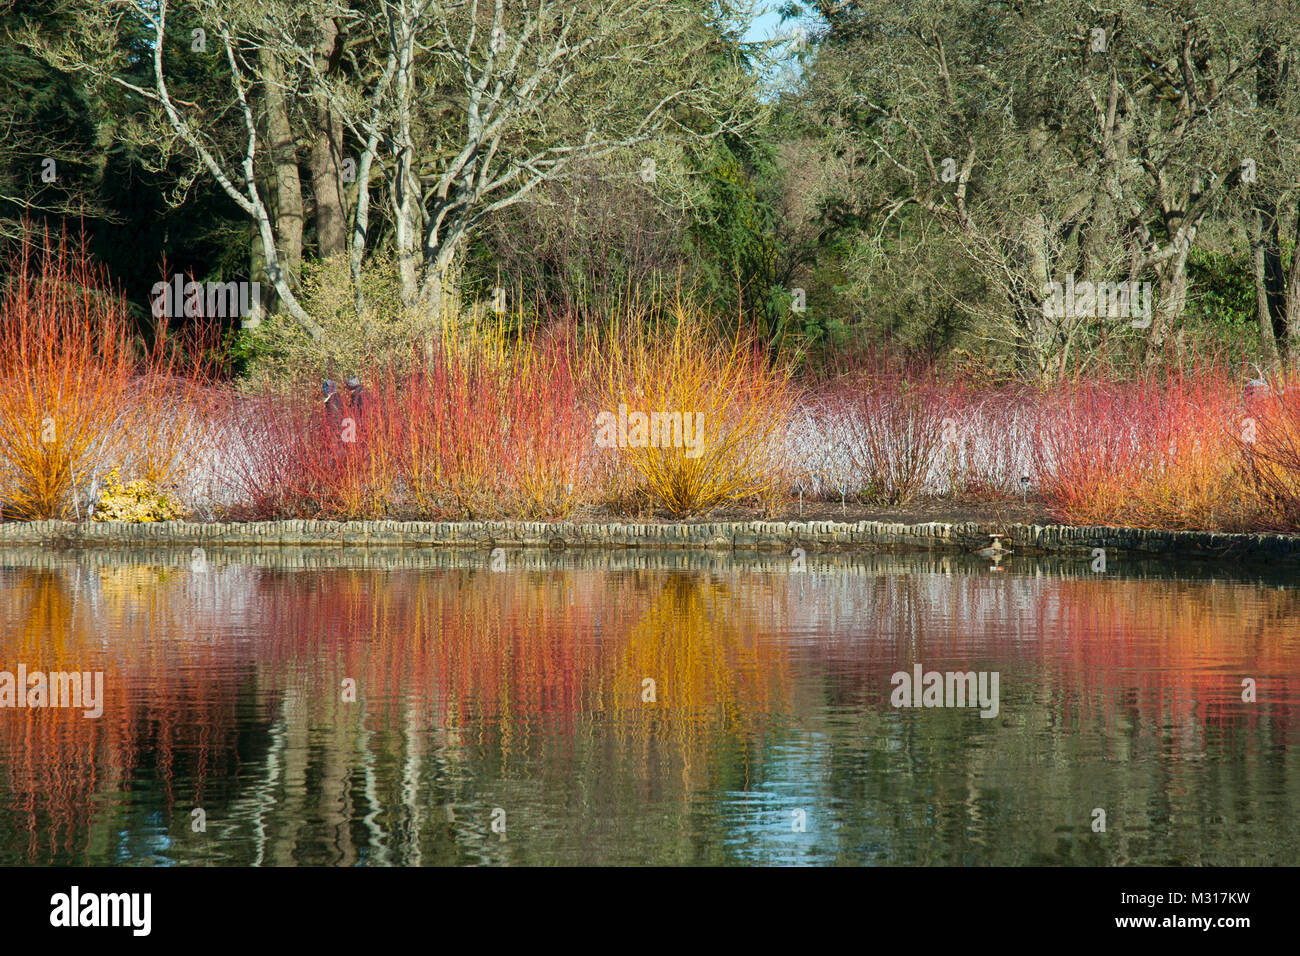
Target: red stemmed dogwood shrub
462, 433
895, 431
486, 436
1146, 453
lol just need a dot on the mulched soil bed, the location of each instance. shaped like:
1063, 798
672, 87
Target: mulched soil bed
943, 510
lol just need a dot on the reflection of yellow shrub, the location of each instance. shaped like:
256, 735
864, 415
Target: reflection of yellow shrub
136, 501
715, 674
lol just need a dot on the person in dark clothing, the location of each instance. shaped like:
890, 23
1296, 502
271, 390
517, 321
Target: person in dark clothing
333, 401
357, 397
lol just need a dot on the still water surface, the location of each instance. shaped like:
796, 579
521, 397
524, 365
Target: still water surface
503, 717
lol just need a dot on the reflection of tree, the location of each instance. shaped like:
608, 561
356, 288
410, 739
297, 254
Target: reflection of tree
470, 675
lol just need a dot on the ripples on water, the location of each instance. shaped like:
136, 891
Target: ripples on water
518, 697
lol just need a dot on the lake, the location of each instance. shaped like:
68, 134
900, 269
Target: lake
409, 707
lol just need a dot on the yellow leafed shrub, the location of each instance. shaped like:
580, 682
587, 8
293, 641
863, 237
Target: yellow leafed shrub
135, 501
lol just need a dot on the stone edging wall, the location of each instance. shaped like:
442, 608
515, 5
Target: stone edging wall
719, 536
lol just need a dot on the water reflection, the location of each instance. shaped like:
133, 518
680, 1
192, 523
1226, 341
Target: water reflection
644, 708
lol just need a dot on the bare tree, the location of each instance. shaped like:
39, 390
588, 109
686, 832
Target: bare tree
466, 108
456, 109
235, 170
1040, 139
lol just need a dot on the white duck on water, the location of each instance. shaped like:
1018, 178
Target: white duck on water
995, 550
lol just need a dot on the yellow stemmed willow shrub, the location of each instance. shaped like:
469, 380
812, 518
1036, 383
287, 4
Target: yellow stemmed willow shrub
689, 420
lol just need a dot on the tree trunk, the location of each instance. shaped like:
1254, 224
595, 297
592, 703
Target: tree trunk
327, 155
1270, 283
1292, 297
1172, 274
259, 305
404, 190
1267, 338
1036, 342
435, 301
284, 159
1267, 266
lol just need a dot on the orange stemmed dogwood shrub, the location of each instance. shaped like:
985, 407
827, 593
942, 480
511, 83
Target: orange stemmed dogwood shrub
1269, 444
66, 367
1147, 454
76, 398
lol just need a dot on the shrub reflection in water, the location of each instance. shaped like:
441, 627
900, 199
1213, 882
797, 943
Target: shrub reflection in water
625, 709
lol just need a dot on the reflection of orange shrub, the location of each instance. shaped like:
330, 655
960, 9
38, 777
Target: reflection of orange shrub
526, 669
680, 367
1151, 649
510, 653
166, 704
521, 659
504, 650
1206, 641
714, 674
